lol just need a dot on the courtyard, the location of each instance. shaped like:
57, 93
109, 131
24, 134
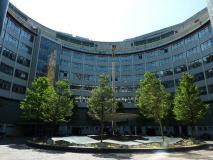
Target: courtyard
15, 149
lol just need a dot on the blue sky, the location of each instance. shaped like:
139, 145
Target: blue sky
109, 20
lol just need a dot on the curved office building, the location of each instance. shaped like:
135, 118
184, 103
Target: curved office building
26, 46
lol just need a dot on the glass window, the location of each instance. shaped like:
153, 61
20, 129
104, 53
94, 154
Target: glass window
208, 59
180, 69
192, 51
102, 69
126, 68
177, 45
210, 88
199, 77
9, 54
209, 73
23, 61
168, 84
195, 64
77, 66
6, 68
89, 58
88, 68
202, 90
27, 35
179, 57
11, 40
165, 61
64, 62
25, 48
13, 26
67, 53
77, 56
139, 67
167, 72
206, 45
5, 84
21, 74
19, 88
126, 59
191, 38
63, 74
152, 64
203, 32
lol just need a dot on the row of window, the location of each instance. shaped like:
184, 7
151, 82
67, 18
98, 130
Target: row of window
17, 29
5, 85
9, 70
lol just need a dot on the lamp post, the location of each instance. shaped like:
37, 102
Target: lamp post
113, 82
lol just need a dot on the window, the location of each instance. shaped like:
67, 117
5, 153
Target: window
165, 61
77, 56
179, 57
210, 88
209, 73
26, 35
192, 51
13, 26
203, 32
199, 77
208, 59
139, 68
180, 69
177, 45
11, 40
6, 69
5, 84
177, 82
190, 38
167, 72
21, 74
195, 64
168, 84
88, 68
64, 62
202, 90
9, 54
63, 74
23, 61
25, 49
206, 45
19, 88
89, 58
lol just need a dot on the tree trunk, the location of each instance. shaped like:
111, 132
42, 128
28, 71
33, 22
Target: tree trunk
102, 129
113, 127
161, 129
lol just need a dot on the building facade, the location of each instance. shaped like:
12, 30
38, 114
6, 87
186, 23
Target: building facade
26, 46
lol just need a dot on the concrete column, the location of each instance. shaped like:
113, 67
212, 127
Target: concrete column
3, 11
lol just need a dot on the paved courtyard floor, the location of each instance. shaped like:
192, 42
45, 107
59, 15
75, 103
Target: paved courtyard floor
16, 150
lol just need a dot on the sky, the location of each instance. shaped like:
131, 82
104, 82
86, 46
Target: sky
109, 20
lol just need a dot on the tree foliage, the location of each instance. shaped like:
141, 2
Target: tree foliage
37, 97
61, 110
152, 99
102, 101
188, 106
44, 103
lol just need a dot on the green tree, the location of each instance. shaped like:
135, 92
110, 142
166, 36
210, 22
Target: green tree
188, 106
101, 102
61, 109
152, 99
38, 97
